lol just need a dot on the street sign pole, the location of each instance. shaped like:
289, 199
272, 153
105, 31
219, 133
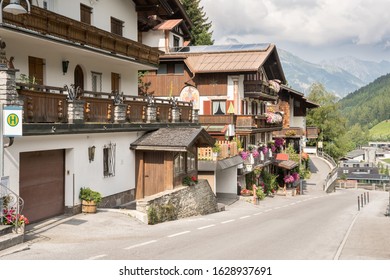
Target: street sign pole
1, 142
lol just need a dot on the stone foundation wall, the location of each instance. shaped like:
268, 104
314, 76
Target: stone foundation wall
111, 201
185, 201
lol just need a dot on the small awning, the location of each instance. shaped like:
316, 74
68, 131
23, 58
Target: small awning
286, 164
282, 156
179, 139
208, 165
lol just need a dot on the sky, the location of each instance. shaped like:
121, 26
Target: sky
314, 30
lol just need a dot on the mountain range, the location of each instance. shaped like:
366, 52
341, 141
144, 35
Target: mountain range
340, 76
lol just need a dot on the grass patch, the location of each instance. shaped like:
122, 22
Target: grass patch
381, 131
387, 160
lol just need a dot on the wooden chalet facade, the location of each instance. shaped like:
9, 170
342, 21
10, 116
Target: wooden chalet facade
72, 66
295, 107
230, 85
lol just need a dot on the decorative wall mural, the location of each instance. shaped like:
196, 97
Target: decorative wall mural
190, 93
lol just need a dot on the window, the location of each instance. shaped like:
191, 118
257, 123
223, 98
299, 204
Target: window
96, 82
219, 107
117, 26
35, 70
109, 152
179, 164
85, 14
179, 68
345, 171
115, 84
162, 69
176, 42
190, 162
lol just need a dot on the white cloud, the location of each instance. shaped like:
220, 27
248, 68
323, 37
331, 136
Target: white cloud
316, 23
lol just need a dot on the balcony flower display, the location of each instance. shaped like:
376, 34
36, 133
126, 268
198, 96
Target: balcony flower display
272, 147
273, 118
255, 153
264, 149
289, 179
244, 155
279, 143
296, 177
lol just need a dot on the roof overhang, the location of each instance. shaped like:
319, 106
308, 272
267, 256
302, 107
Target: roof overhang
173, 139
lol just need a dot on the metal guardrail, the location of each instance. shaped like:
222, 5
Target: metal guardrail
329, 184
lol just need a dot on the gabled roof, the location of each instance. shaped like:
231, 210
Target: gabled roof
168, 24
227, 62
295, 93
179, 139
232, 59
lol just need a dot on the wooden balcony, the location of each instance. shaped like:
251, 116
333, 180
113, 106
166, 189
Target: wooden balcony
47, 104
243, 123
259, 89
47, 23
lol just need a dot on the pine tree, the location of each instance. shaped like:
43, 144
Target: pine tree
200, 32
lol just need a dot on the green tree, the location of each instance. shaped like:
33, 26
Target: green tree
329, 120
200, 32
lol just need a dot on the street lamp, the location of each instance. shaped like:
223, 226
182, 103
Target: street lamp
14, 8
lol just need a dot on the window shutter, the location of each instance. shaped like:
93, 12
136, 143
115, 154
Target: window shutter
206, 107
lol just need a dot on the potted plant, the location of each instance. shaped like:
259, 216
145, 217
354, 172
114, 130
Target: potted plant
89, 200
216, 150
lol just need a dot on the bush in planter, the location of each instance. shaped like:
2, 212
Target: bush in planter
89, 195
89, 200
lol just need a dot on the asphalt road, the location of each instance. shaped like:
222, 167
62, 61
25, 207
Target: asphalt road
313, 226
308, 227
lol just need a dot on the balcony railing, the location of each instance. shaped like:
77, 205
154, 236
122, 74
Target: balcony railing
241, 122
52, 24
47, 104
260, 89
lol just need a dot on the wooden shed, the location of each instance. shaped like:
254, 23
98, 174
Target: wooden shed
165, 156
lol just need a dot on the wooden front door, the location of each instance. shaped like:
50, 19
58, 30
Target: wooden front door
79, 77
154, 177
42, 184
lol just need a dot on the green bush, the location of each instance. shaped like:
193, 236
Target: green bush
89, 195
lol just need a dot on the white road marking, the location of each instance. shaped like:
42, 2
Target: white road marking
257, 214
276, 208
245, 217
141, 244
267, 210
292, 203
228, 221
341, 247
97, 257
180, 233
209, 226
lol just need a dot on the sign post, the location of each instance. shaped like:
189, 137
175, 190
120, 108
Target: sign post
10, 126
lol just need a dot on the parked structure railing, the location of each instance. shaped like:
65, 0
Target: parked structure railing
11, 205
48, 104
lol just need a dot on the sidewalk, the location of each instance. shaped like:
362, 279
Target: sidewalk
370, 231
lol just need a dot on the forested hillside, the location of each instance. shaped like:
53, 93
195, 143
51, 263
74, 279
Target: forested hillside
369, 105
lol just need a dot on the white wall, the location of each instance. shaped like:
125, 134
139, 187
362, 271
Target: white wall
227, 180
85, 174
123, 10
53, 55
154, 38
